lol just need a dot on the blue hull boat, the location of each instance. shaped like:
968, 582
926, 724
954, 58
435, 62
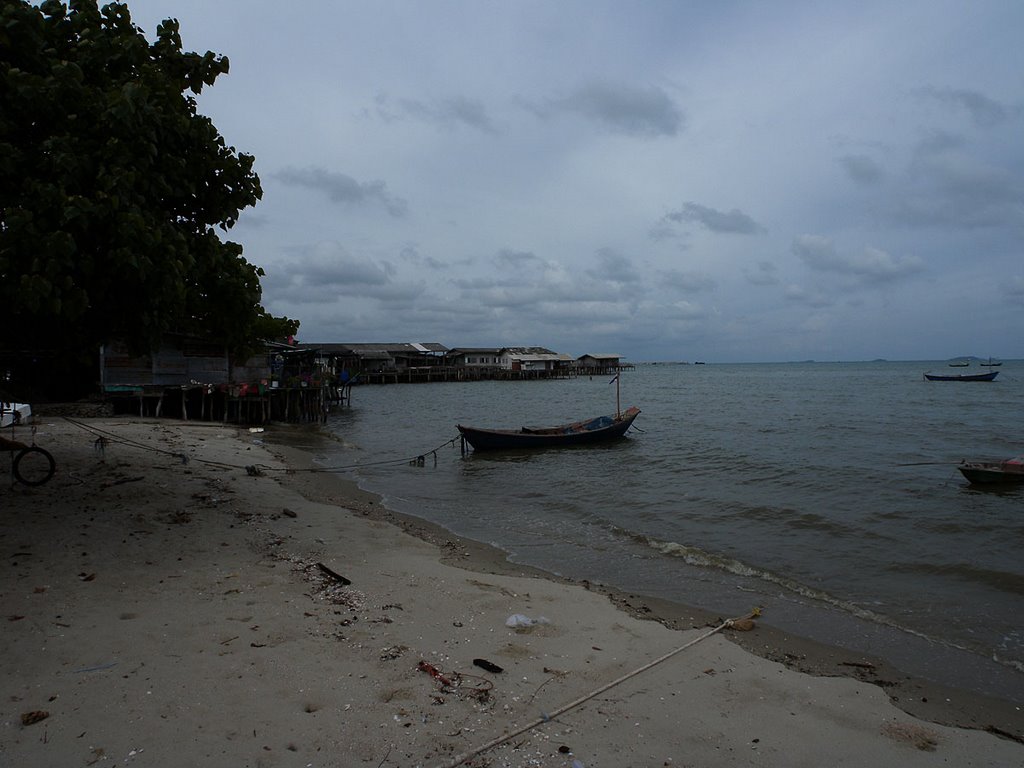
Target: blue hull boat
587, 432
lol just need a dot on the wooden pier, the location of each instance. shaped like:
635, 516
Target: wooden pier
260, 404
438, 373
240, 404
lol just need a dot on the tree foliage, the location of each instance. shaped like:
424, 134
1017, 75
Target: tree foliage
114, 189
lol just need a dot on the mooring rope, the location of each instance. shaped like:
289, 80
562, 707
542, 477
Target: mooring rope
419, 460
252, 469
548, 716
106, 435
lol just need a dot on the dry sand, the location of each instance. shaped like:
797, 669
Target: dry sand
162, 613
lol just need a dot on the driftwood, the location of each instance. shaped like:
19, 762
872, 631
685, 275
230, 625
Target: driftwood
122, 481
336, 576
858, 664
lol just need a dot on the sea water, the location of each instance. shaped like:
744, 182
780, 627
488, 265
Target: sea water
827, 493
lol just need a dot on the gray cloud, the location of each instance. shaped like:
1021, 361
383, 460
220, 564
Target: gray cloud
446, 113
765, 273
950, 188
937, 143
985, 112
615, 267
683, 310
662, 230
518, 259
861, 169
688, 282
797, 294
327, 271
1013, 289
632, 114
871, 265
341, 188
251, 220
527, 283
412, 255
734, 222
626, 109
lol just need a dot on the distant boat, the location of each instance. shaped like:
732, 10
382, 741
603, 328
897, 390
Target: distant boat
992, 363
959, 363
599, 430
988, 376
990, 472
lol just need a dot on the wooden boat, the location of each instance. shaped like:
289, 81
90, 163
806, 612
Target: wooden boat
992, 363
990, 472
598, 430
987, 376
959, 363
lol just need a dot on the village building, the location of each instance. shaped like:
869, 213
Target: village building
590, 364
535, 359
372, 362
480, 358
187, 377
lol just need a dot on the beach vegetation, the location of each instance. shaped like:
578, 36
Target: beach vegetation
116, 193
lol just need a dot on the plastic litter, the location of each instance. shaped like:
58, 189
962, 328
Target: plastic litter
519, 620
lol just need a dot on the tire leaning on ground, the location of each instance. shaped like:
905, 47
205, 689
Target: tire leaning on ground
33, 478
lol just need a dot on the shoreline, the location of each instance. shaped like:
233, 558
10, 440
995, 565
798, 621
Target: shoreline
917, 696
167, 613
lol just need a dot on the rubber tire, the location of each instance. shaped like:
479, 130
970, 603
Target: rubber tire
46, 455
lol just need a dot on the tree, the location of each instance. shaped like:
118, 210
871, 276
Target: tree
113, 187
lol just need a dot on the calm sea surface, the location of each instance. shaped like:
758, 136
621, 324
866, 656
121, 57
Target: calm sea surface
825, 492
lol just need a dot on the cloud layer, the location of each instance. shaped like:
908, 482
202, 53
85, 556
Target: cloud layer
662, 181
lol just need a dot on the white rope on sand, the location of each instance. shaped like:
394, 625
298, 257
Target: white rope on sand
460, 759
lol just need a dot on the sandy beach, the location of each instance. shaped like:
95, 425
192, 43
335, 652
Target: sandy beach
163, 605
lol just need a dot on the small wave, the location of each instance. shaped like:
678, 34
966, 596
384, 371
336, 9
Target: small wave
1011, 663
796, 520
700, 558
703, 559
1001, 580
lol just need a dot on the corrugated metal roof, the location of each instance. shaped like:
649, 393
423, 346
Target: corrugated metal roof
528, 350
397, 347
540, 358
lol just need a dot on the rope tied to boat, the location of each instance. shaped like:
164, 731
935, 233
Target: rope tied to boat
106, 438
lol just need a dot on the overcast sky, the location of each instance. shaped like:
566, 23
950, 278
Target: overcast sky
720, 181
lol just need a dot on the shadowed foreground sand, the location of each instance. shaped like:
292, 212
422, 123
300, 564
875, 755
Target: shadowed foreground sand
162, 613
